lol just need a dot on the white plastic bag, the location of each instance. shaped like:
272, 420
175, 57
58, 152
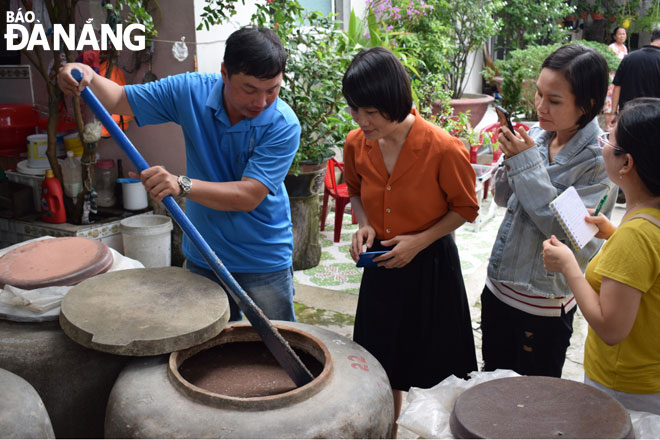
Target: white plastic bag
45, 302
35, 300
428, 411
646, 425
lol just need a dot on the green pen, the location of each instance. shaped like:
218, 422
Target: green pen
600, 205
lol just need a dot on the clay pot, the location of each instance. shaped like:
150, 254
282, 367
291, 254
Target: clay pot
308, 182
74, 382
207, 392
476, 103
304, 190
22, 413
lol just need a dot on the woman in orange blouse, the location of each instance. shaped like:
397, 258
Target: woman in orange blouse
411, 184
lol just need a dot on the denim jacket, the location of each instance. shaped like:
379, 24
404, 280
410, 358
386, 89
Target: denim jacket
534, 182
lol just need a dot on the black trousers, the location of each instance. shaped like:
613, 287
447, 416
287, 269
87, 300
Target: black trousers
527, 344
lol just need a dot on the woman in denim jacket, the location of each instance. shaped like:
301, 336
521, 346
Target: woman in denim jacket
527, 312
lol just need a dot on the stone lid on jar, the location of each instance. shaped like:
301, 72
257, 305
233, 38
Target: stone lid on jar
144, 312
62, 261
538, 407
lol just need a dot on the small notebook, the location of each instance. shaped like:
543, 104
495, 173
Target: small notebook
570, 211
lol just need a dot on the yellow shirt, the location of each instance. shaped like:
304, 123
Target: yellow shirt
631, 256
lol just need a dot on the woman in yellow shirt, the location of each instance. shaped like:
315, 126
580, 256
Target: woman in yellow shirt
620, 293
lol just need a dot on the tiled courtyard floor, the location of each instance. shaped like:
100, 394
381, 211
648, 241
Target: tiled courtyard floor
337, 271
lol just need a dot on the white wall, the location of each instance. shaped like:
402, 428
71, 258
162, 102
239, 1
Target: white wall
209, 56
474, 82
358, 5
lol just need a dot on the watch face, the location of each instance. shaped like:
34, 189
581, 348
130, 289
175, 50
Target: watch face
185, 183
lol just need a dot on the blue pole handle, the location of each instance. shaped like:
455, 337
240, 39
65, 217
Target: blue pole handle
287, 358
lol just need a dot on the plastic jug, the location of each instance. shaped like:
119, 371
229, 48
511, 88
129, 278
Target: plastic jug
71, 175
52, 202
105, 175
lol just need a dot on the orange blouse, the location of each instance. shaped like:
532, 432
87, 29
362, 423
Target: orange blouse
432, 176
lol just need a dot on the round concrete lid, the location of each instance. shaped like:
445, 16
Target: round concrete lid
54, 262
538, 407
144, 312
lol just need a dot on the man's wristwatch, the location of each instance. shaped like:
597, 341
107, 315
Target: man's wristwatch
185, 184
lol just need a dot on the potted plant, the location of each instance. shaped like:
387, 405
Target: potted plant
651, 17
521, 69
526, 23
443, 35
469, 24
571, 12
598, 11
627, 13
435, 106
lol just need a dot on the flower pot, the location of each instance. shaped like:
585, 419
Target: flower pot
476, 103
308, 182
304, 190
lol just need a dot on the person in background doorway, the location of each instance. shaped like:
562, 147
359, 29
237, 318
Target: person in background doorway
619, 48
619, 295
638, 76
618, 45
526, 312
240, 142
410, 184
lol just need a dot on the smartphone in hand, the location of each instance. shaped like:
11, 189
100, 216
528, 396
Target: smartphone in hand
503, 117
367, 259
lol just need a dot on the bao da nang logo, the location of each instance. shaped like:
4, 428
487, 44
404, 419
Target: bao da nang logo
20, 37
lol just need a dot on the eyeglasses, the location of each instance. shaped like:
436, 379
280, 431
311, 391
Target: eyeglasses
604, 139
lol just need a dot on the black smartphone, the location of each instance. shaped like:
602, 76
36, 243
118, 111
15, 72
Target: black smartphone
503, 117
367, 259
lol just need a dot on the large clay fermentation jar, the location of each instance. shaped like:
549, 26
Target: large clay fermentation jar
74, 377
73, 382
176, 396
22, 413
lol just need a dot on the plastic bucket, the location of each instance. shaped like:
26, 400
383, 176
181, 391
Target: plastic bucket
37, 145
72, 143
134, 194
148, 239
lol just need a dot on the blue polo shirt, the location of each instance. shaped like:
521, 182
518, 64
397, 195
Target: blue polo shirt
262, 148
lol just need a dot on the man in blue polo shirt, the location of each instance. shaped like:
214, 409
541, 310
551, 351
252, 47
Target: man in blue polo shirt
240, 142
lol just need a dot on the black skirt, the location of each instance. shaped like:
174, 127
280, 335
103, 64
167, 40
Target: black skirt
416, 320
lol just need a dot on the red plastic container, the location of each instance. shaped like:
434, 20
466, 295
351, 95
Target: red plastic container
17, 122
65, 123
52, 200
